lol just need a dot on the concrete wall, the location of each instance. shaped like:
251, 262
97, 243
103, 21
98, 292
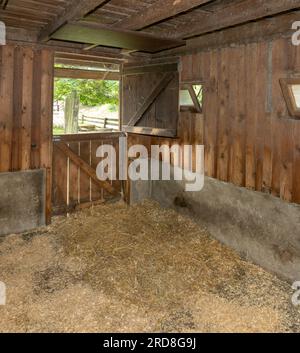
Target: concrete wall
262, 228
22, 201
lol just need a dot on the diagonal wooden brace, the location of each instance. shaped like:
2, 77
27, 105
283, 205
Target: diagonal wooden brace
86, 168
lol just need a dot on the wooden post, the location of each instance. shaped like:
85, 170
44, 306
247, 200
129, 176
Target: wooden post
71, 113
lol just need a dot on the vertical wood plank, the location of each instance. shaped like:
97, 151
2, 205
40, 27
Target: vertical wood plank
26, 114
6, 106
73, 177
36, 111
97, 194
84, 153
210, 62
59, 177
223, 142
47, 77
17, 112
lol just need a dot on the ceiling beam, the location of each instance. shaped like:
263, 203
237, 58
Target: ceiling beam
61, 59
232, 15
86, 74
159, 11
75, 11
95, 34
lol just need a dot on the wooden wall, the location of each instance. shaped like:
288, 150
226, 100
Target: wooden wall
249, 137
190, 132
26, 89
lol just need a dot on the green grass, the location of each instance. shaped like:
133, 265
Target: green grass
58, 131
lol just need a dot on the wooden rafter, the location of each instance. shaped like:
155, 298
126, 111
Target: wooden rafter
159, 12
84, 32
262, 30
232, 15
85, 167
74, 58
86, 74
75, 11
103, 66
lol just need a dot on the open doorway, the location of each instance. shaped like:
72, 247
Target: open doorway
86, 99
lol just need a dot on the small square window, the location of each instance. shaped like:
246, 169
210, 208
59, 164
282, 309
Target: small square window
191, 96
199, 93
296, 93
185, 98
291, 92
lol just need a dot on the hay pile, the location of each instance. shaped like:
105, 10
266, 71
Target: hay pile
140, 269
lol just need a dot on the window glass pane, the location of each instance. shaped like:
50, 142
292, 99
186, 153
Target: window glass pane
185, 98
296, 92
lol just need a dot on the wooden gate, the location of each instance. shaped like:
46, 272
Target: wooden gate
75, 183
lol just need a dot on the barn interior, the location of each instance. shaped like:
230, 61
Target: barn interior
80, 254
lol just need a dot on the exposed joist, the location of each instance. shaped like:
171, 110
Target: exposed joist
79, 63
75, 11
262, 30
86, 74
71, 59
159, 11
105, 36
134, 69
232, 15
95, 56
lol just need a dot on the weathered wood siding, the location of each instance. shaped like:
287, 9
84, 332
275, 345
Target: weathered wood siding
150, 99
249, 137
26, 89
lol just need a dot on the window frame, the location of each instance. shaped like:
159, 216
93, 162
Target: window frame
196, 107
87, 74
289, 97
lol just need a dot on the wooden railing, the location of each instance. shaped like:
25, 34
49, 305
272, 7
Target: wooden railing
75, 183
97, 124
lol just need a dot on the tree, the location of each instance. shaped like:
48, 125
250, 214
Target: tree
91, 92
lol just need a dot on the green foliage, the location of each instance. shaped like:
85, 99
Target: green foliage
91, 92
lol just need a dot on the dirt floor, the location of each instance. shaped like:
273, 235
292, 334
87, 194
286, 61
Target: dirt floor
141, 269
